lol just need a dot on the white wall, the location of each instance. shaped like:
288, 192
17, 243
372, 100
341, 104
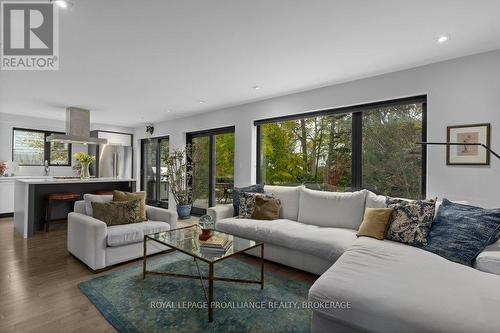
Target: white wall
459, 91
8, 121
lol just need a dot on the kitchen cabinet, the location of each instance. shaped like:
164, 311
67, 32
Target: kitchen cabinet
114, 138
7, 196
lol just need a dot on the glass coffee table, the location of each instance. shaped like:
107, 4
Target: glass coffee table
186, 241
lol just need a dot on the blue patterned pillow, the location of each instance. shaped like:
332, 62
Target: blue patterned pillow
460, 232
257, 188
410, 221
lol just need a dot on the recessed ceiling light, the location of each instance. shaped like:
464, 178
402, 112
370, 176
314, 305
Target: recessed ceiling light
201, 102
256, 87
442, 39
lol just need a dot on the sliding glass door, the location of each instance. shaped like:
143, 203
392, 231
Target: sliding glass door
153, 171
212, 167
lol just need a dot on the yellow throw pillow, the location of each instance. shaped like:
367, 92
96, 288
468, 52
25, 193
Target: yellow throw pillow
375, 222
127, 196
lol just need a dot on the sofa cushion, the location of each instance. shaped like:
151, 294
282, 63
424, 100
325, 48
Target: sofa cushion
89, 198
460, 232
411, 220
374, 200
247, 203
115, 212
393, 287
375, 222
119, 235
266, 208
289, 197
326, 243
128, 196
489, 260
332, 209
257, 188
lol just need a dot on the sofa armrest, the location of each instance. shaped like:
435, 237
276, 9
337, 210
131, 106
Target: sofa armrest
87, 239
221, 212
162, 214
80, 207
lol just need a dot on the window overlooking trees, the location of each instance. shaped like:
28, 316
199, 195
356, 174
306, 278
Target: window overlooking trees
392, 162
370, 146
29, 147
314, 150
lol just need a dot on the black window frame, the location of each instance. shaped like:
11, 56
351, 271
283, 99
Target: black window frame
357, 134
46, 147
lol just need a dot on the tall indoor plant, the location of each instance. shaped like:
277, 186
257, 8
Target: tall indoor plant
179, 166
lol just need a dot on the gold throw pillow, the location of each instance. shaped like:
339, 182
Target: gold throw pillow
266, 208
116, 213
127, 196
375, 222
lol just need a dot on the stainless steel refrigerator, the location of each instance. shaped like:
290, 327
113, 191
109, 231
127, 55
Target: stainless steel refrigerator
113, 161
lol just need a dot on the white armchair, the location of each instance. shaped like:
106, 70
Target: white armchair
99, 246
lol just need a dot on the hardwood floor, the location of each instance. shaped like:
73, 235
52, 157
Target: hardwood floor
39, 284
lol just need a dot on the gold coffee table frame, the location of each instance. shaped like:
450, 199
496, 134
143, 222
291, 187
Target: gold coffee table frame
179, 239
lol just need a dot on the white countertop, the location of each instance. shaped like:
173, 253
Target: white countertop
50, 180
14, 178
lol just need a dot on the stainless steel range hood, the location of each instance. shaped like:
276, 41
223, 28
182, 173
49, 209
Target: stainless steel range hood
77, 129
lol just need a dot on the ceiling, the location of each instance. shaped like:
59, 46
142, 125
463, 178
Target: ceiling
132, 62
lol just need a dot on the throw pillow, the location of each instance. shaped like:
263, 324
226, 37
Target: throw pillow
247, 203
116, 213
89, 198
266, 208
257, 188
127, 196
410, 221
375, 222
460, 232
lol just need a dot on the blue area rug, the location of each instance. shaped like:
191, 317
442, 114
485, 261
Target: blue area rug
168, 304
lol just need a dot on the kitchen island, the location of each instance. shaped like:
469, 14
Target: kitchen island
30, 198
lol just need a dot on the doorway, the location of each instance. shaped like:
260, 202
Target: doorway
213, 167
154, 180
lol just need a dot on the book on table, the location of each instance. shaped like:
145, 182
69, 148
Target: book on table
215, 244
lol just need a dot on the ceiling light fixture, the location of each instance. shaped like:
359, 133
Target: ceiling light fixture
442, 39
201, 102
63, 4
256, 87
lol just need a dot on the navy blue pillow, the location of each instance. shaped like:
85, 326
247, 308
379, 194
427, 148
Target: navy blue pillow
257, 188
460, 232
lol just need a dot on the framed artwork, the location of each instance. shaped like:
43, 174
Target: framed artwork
465, 154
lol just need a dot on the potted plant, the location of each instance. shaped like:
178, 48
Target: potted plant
85, 161
179, 165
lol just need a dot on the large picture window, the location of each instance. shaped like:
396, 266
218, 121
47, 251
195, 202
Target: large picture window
368, 146
29, 148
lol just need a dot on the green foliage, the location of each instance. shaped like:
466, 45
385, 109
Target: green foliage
318, 151
313, 150
391, 160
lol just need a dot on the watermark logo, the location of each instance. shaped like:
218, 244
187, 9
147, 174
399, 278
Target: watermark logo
29, 35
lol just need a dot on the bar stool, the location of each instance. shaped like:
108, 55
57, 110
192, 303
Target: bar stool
104, 192
58, 197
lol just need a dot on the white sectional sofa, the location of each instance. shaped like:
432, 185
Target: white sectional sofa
390, 287
99, 246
